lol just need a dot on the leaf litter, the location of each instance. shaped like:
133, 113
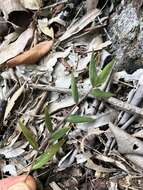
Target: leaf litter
58, 73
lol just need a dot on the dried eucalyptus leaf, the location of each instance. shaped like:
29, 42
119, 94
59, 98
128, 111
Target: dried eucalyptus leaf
126, 143
14, 12
11, 50
9, 6
67, 160
79, 25
64, 103
11, 152
12, 101
43, 26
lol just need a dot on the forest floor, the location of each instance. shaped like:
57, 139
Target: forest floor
71, 93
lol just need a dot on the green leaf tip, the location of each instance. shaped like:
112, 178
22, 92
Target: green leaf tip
79, 119
92, 70
102, 77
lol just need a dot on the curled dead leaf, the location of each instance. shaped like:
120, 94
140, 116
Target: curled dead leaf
14, 12
43, 26
127, 144
11, 50
12, 101
31, 56
80, 25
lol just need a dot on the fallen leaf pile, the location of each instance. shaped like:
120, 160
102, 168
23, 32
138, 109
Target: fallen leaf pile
69, 115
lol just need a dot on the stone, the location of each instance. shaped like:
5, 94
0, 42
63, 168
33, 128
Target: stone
126, 31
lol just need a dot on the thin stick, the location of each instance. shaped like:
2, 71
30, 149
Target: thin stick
124, 106
31, 165
54, 5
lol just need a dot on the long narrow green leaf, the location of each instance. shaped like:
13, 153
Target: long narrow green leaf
79, 119
47, 156
48, 122
59, 133
74, 88
28, 135
100, 93
104, 74
92, 70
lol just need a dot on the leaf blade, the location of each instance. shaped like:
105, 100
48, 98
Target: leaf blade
48, 122
92, 71
59, 133
47, 156
79, 119
28, 135
74, 89
102, 77
99, 93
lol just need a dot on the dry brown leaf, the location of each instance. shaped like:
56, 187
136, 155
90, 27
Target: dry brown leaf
31, 56
12, 101
13, 49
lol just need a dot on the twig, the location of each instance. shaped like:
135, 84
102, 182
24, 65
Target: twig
54, 5
30, 167
104, 29
50, 88
74, 19
124, 106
